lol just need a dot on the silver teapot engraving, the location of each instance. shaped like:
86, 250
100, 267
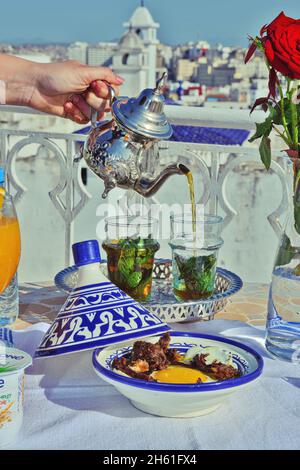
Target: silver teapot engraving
123, 152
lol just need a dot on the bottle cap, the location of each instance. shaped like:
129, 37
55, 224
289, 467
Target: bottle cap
86, 252
2, 176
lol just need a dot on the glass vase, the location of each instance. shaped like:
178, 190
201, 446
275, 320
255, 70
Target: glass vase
283, 323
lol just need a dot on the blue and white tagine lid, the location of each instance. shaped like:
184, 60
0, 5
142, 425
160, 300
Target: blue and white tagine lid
97, 313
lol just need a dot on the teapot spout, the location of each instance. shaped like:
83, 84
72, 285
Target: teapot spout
147, 186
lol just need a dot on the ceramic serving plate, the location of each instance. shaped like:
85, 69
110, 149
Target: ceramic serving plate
180, 400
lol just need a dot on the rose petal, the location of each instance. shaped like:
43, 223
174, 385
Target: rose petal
268, 50
280, 21
282, 46
275, 60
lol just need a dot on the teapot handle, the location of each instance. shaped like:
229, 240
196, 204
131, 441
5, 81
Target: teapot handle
112, 97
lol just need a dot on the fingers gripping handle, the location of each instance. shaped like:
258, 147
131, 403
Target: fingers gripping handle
112, 97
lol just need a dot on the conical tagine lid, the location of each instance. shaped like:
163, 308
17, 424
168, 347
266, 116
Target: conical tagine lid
97, 313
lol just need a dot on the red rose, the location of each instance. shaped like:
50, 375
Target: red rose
282, 45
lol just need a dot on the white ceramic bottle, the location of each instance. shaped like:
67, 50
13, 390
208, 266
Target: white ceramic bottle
87, 259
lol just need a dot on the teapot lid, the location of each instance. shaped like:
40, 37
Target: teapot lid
144, 115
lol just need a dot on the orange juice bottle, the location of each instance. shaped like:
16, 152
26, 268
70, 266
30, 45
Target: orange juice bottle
2, 189
10, 240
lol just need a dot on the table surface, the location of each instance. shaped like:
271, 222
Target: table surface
68, 407
42, 301
65, 395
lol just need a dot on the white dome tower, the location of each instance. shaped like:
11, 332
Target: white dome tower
130, 60
142, 23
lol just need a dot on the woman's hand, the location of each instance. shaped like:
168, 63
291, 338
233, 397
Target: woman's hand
71, 89
67, 89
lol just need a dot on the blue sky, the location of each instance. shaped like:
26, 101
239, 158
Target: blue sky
226, 21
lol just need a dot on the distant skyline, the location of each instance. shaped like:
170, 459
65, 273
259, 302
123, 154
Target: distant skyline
181, 21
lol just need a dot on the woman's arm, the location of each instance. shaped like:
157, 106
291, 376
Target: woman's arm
18, 80
67, 89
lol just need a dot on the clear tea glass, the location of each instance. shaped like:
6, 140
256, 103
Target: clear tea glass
10, 251
131, 246
195, 246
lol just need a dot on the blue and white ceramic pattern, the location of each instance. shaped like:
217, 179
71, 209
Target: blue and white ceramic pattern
97, 313
180, 400
6, 336
96, 316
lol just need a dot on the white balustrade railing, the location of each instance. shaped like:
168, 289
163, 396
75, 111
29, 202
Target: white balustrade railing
188, 115
215, 164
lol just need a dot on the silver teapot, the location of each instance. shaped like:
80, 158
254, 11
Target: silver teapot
123, 152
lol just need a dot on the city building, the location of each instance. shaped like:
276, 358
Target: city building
239, 92
165, 53
101, 54
78, 51
134, 57
185, 69
130, 60
211, 76
142, 23
258, 88
198, 73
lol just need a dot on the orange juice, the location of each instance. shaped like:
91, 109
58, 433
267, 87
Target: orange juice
10, 250
2, 194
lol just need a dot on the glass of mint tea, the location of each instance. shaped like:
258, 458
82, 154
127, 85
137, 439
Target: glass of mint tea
130, 246
195, 244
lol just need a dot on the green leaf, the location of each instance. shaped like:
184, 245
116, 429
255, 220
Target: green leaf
297, 214
134, 279
286, 252
134, 257
265, 151
126, 261
262, 129
275, 114
198, 272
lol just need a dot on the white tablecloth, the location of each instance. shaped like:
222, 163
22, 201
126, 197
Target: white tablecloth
68, 407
